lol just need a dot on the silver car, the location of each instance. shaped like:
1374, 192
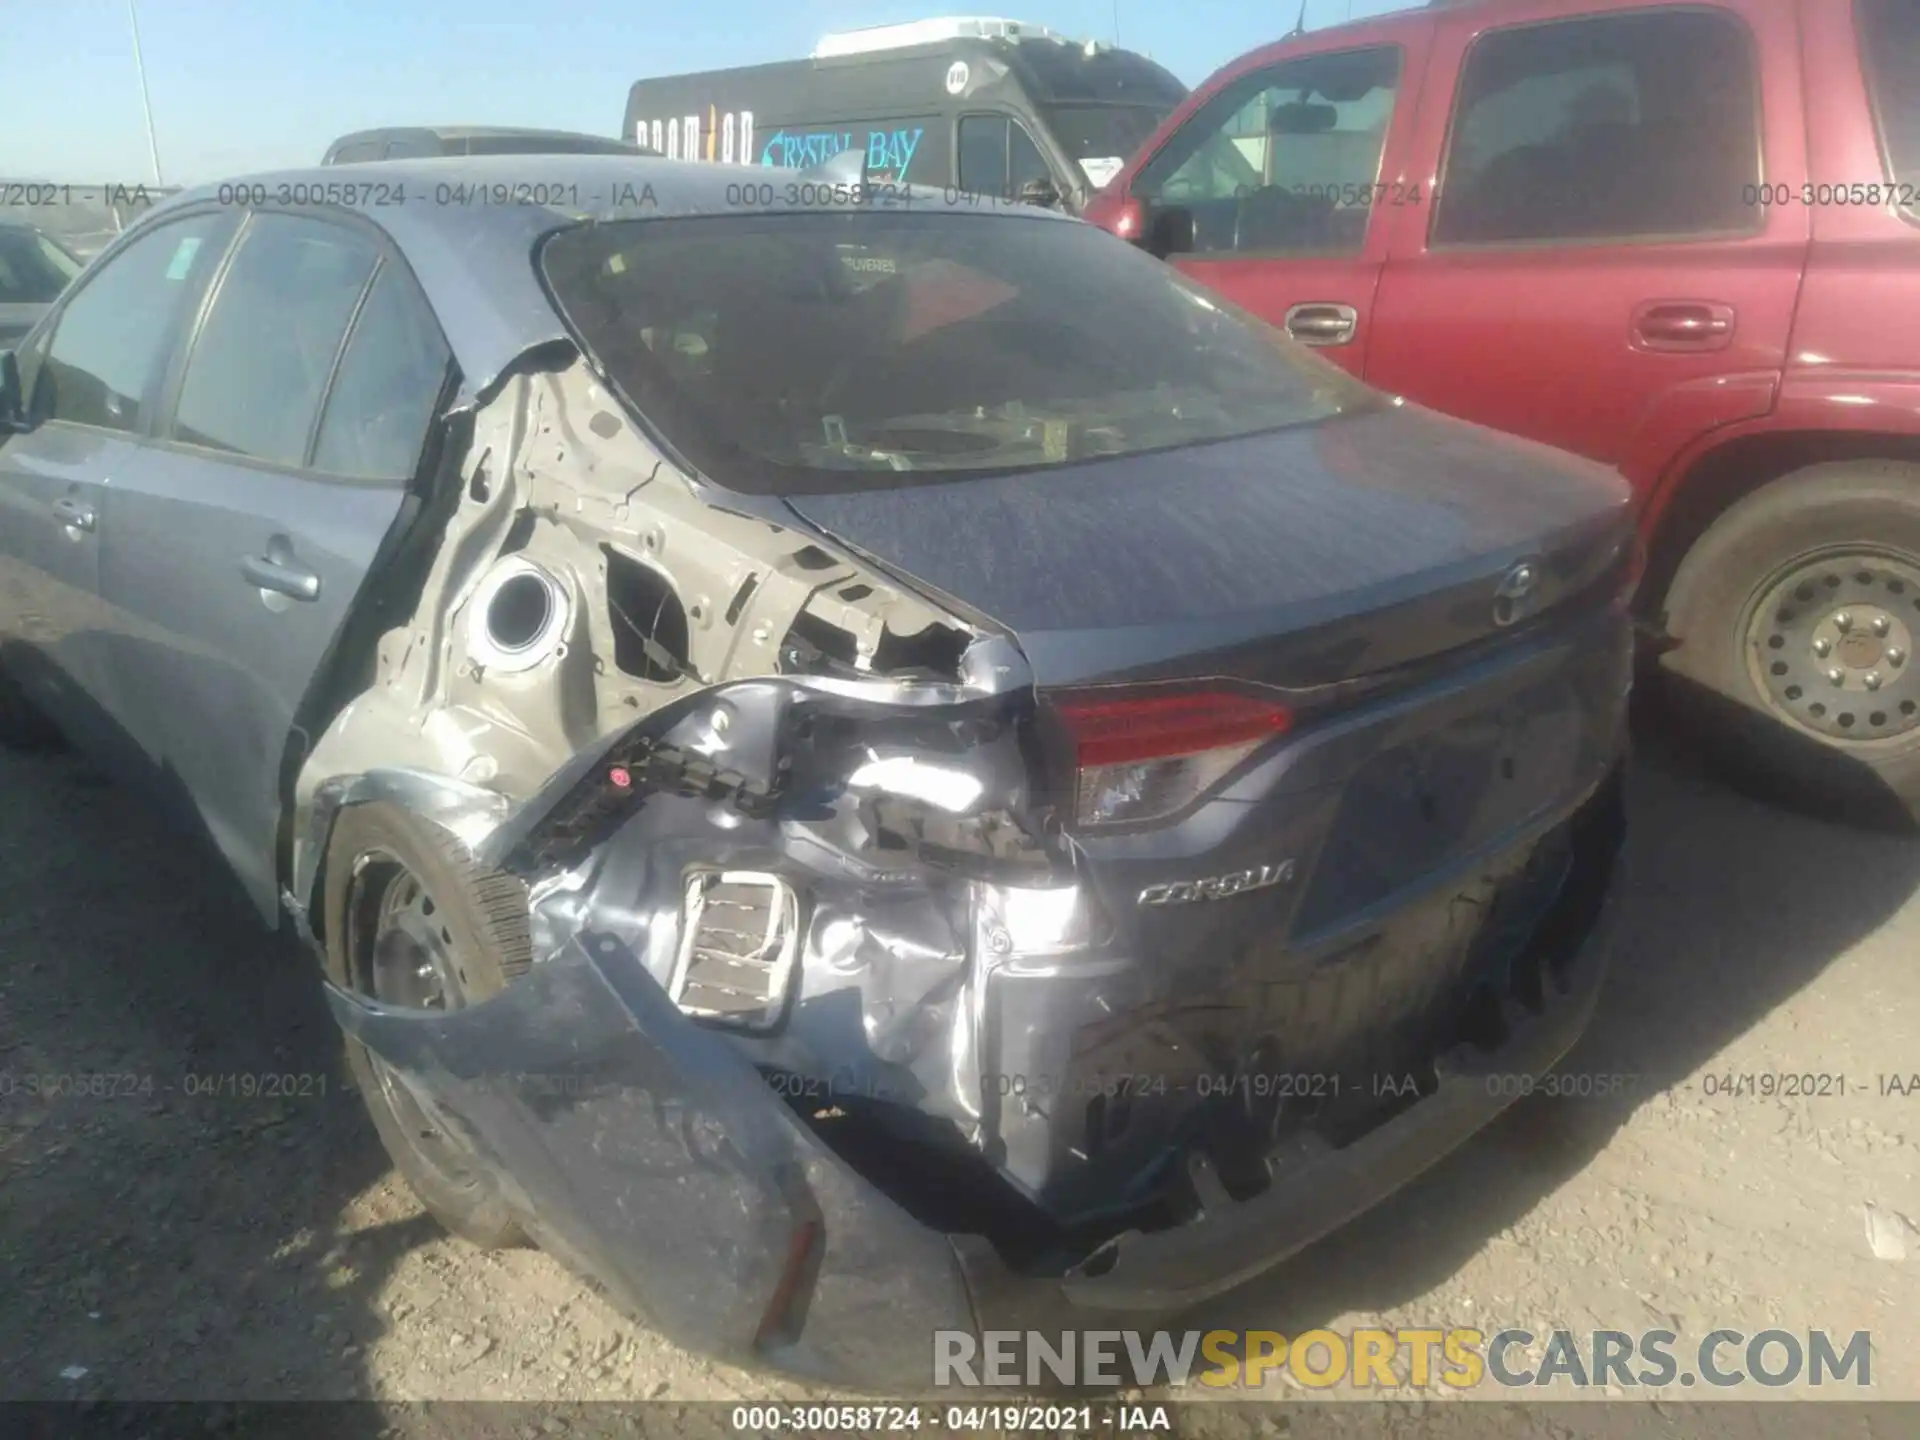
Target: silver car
858, 762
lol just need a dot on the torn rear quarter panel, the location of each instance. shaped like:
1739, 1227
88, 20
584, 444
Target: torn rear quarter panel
788, 722
581, 584
558, 483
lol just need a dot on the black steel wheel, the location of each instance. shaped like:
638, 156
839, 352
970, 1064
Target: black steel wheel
412, 922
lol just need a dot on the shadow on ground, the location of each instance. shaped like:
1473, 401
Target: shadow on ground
177, 1142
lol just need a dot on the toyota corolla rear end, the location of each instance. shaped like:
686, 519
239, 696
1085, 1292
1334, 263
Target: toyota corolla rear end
1248, 831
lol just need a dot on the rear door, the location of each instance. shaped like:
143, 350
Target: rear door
1599, 268
93, 381
1277, 191
297, 418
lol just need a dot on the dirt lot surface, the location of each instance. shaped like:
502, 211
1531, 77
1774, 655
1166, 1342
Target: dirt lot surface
160, 1244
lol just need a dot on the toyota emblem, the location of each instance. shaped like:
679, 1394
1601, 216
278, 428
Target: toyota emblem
1517, 595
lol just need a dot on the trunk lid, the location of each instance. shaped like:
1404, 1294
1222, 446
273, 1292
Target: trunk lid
1302, 557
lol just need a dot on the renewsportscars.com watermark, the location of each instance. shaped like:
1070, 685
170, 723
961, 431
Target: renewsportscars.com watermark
1378, 1359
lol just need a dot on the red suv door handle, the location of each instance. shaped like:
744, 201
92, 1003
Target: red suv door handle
1682, 325
1319, 323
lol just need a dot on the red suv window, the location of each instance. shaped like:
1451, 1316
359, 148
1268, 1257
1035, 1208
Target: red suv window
1283, 161
1890, 44
1609, 127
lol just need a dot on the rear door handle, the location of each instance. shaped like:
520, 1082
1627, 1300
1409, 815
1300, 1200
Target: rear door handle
75, 514
1683, 325
279, 571
1319, 323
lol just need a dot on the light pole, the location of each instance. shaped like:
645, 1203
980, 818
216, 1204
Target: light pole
146, 103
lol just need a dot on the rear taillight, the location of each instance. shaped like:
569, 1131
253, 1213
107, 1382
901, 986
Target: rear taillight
1145, 754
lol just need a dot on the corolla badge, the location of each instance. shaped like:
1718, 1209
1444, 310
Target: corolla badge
1518, 593
1218, 887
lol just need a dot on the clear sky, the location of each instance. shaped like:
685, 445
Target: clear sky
243, 85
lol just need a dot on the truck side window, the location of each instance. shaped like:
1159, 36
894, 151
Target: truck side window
1640, 124
1284, 160
1890, 45
998, 157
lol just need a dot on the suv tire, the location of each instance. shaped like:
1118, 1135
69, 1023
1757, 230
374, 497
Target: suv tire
1797, 614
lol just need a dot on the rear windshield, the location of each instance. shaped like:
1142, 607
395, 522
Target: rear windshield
1890, 43
786, 354
33, 270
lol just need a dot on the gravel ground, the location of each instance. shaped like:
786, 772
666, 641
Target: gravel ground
230, 1247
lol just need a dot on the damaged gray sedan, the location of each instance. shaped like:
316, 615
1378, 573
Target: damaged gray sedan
857, 765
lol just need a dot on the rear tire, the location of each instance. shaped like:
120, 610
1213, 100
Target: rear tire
411, 920
1798, 613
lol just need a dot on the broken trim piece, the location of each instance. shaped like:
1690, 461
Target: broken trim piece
715, 960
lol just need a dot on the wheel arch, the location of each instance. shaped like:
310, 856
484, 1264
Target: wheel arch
1705, 485
467, 812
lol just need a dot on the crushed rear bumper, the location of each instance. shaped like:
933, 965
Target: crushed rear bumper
652, 1157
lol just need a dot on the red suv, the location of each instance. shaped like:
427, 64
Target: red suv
1680, 238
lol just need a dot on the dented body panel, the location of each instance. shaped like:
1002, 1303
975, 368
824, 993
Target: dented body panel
841, 1010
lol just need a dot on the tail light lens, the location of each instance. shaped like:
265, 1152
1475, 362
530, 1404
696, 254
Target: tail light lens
1145, 755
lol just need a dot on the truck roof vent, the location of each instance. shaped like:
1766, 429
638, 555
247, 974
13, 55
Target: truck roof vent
929, 32
741, 932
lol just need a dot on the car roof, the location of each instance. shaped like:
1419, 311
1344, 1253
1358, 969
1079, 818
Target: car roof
468, 225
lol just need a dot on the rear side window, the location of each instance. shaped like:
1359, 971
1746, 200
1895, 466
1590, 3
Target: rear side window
266, 350
113, 336
1890, 46
1283, 161
1623, 126
998, 157
382, 400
